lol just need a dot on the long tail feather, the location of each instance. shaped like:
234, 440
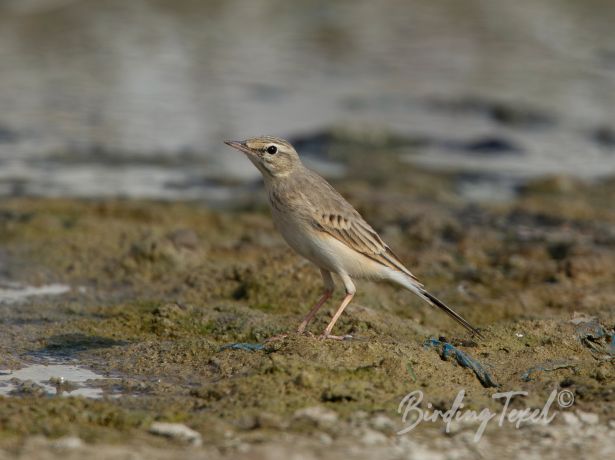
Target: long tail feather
417, 288
449, 311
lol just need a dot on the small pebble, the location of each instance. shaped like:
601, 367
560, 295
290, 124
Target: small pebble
571, 419
318, 415
325, 439
381, 422
176, 431
588, 417
370, 437
67, 443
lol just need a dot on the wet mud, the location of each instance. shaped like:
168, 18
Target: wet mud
157, 292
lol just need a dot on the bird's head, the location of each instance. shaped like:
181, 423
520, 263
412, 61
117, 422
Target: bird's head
274, 157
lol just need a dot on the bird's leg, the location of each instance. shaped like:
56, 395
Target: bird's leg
350, 291
338, 313
329, 286
326, 296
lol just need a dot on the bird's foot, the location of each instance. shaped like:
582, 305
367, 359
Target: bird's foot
301, 331
326, 336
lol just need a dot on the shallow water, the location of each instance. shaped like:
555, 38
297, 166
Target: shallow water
53, 379
152, 79
11, 292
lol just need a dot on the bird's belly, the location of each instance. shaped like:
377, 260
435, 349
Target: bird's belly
324, 250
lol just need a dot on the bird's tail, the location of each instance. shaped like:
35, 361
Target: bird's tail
419, 290
433, 300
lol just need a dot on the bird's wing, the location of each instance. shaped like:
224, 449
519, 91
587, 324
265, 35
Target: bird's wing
329, 212
351, 229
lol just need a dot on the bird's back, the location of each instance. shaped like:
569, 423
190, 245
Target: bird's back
306, 193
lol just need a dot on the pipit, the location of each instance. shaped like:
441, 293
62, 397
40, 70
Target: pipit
318, 223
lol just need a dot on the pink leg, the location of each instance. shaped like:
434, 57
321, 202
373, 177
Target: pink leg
326, 296
338, 313
329, 286
350, 290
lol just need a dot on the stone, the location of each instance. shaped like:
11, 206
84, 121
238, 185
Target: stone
177, 431
67, 443
382, 423
588, 417
571, 419
318, 415
369, 437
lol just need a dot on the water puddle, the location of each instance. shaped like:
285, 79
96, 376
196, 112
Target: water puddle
52, 379
15, 292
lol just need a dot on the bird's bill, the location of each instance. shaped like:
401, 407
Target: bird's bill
239, 145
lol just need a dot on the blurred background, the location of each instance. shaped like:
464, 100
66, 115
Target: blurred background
134, 98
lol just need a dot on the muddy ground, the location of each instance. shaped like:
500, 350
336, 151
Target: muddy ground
156, 289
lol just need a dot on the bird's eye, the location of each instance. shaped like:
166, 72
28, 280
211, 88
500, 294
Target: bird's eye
272, 149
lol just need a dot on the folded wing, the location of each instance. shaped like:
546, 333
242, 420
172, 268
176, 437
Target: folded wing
352, 230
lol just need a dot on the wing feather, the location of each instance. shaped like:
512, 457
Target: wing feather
357, 234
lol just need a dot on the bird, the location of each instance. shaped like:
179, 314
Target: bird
320, 225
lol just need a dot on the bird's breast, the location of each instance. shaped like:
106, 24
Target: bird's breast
297, 232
